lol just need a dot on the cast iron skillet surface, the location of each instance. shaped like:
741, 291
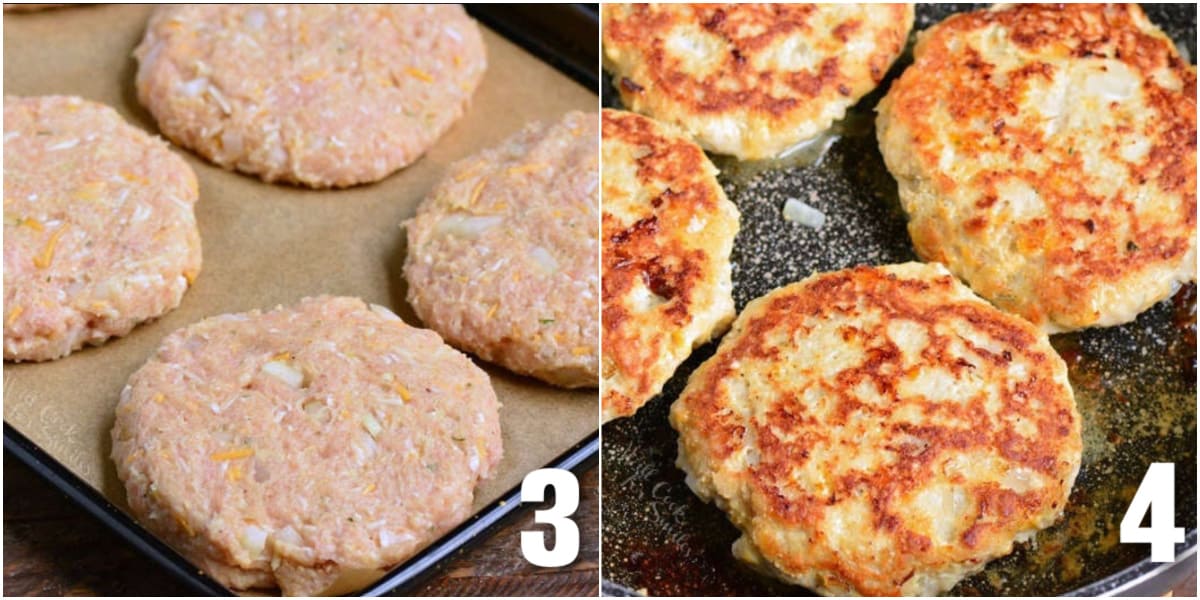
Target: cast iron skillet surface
1135, 384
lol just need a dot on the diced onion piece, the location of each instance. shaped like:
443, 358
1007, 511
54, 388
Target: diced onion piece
371, 424
220, 99
141, 213
288, 535
384, 312
1021, 480
387, 538
285, 372
255, 19
799, 212
64, 145
316, 409
194, 87
277, 155
545, 261
254, 540
365, 448
231, 142
1115, 83
152, 56
464, 226
391, 399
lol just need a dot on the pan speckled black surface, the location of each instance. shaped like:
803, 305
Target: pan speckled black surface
1135, 386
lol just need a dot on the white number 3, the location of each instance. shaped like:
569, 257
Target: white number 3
566, 532
1156, 494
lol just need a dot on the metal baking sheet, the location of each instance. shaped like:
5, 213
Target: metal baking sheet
267, 244
1135, 386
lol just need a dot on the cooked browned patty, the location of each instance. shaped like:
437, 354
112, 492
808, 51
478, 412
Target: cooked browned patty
1047, 155
880, 431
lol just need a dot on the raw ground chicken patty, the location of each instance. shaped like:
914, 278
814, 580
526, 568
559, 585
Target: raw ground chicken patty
99, 228
320, 95
306, 446
668, 231
1047, 155
502, 255
880, 431
751, 80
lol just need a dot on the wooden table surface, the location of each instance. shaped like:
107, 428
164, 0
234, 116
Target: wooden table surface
53, 548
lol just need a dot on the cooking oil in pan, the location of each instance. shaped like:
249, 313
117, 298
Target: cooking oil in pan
1135, 389
1134, 384
808, 153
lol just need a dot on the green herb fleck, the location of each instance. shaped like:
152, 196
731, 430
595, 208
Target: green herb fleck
545, 321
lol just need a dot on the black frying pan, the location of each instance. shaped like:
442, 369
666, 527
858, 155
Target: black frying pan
1135, 386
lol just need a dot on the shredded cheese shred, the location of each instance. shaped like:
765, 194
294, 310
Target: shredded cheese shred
313, 76
235, 454
419, 74
90, 191
478, 190
403, 391
43, 260
526, 168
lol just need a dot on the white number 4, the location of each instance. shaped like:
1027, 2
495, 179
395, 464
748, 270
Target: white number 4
566, 532
1155, 495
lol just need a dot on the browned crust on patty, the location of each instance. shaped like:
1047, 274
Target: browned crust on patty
788, 436
1063, 280
740, 84
750, 79
656, 251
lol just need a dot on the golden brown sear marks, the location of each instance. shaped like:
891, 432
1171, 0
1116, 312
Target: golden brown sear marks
1047, 155
880, 430
750, 79
667, 231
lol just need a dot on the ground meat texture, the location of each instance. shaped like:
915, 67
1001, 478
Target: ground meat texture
305, 446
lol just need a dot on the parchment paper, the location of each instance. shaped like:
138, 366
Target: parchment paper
270, 244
